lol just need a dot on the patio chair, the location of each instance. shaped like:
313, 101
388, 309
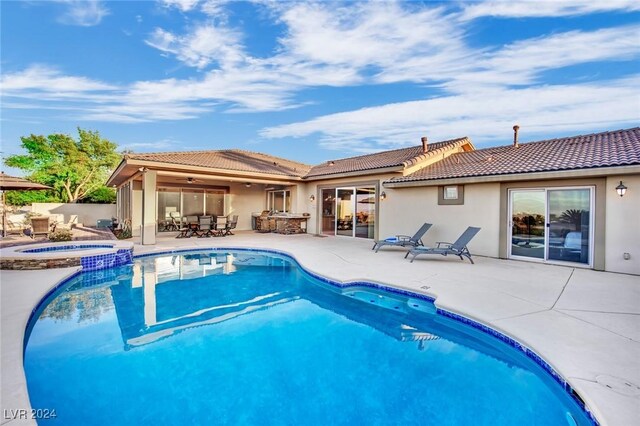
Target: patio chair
459, 248
231, 224
205, 226
173, 221
14, 227
73, 221
39, 226
404, 240
189, 227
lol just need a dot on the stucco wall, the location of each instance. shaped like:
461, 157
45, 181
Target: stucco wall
623, 225
243, 201
88, 214
405, 209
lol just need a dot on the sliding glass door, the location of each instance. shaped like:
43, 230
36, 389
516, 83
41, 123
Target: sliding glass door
569, 225
176, 203
551, 224
345, 208
349, 212
365, 212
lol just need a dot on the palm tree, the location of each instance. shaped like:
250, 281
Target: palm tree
572, 216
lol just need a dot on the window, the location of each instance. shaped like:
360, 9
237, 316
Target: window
451, 195
279, 201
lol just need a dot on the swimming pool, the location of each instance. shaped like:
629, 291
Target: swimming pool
249, 338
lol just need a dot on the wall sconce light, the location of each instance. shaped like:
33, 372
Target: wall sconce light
383, 196
621, 189
248, 184
312, 198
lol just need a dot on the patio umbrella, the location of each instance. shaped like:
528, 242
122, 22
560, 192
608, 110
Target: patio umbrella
11, 183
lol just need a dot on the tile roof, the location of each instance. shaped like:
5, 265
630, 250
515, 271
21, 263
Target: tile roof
404, 157
607, 149
229, 159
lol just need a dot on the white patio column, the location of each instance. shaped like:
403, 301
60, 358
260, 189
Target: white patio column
149, 213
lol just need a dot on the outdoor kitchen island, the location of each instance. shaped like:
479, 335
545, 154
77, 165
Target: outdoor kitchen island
281, 223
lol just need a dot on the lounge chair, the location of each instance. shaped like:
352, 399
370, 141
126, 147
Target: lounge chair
14, 227
459, 248
73, 221
404, 240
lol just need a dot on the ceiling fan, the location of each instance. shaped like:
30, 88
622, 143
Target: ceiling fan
191, 180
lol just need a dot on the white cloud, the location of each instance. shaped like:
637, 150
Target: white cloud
484, 115
183, 5
544, 8
163, 144
379, 39
85, 13
46, 79
214, 7
199, 48
522, 62
570, 48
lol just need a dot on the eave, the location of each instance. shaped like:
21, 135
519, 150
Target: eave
560, 174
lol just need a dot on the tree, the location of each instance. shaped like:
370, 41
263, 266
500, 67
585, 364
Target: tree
73, 168
25, 198
573, 216
102, 195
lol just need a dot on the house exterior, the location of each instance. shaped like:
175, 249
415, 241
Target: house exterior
549, 201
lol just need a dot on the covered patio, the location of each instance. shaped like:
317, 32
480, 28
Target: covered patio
164, 192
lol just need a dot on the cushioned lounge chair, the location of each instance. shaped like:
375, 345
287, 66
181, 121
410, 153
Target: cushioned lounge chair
459, 248
404, 240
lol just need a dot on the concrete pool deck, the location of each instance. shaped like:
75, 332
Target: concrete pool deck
584, 323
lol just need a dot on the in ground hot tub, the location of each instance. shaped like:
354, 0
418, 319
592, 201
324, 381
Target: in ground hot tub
90, 256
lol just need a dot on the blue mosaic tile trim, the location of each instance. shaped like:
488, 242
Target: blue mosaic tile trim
108, 260
525, 350
467, 321
68, 247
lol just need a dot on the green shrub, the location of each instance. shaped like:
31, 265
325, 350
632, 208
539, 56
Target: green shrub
60, 235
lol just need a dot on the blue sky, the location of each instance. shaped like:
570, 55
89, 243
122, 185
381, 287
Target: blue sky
312, 81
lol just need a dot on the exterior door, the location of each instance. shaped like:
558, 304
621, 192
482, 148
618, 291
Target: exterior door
569, 225
527, 224
345, 211
552, 225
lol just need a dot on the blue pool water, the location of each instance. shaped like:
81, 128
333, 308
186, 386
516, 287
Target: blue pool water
248, 338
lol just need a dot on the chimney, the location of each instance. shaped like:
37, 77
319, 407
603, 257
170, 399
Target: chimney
515, 136
424, 144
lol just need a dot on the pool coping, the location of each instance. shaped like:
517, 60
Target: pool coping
24, 251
